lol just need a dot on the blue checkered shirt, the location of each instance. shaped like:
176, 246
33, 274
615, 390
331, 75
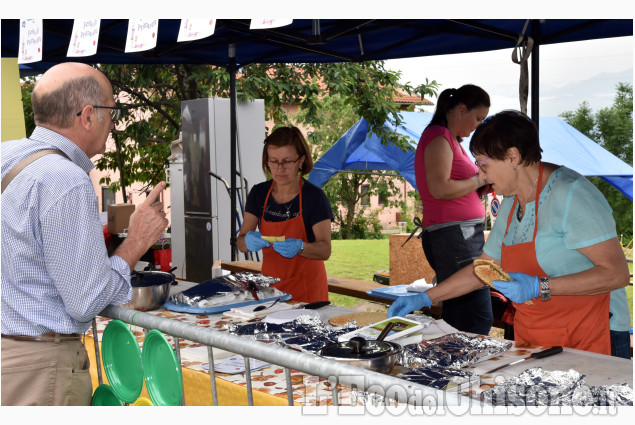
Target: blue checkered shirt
56, 273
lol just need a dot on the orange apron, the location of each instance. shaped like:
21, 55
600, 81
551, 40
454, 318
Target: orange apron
303, 278
575, 321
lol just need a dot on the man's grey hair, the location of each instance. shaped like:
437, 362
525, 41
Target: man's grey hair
58, 108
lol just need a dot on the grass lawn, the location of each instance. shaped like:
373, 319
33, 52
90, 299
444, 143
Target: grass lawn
360, 259
356, 259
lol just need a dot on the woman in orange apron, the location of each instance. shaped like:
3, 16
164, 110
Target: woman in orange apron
292, 207
569, 320
554, 235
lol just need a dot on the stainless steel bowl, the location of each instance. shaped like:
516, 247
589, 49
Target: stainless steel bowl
379, 356
149, 290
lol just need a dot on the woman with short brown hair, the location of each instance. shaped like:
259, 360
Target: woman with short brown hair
289, 206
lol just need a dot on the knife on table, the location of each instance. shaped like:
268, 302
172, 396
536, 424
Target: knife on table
314, 305
539, 355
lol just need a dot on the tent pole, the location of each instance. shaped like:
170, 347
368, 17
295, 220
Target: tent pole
231, 68
535, 71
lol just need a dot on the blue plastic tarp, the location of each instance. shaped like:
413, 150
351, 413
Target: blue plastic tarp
561, 144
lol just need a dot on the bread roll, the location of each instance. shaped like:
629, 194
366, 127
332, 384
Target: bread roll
272, 239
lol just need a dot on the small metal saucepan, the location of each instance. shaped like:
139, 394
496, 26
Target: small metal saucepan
150, 289
379, 356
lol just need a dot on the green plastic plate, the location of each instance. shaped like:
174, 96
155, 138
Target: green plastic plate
162, 371
121, 356
105, 396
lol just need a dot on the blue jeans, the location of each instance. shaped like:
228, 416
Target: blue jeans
447, 251
621, 344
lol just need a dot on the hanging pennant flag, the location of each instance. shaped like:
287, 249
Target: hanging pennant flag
84, 37
260, 24
195, 29
142, 34
30, 49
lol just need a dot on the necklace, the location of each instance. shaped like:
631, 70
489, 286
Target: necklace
520, 213
287, 206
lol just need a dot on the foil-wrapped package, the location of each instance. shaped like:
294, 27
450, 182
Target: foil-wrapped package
225, 291
612, 395
424, 319
250, 282
440, 378
366, 398
208, 289
306, 333
452, 351
538, 387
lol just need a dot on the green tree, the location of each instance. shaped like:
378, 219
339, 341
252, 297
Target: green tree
152, 95
27, 89
332, 118
612, 128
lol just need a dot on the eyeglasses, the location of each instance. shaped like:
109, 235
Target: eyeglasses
479, 164
115, 111
284, 164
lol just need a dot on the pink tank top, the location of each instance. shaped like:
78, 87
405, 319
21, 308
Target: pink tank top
437, 211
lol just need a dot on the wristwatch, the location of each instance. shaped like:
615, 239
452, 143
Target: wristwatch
545, 291
301, 249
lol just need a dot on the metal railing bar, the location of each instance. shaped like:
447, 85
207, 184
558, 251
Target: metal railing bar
303, 362
287, 375
177, 350
212, 375
97, 352
250, 394
335, 394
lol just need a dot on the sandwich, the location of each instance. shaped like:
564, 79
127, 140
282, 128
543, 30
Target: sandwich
488, 271
272, 239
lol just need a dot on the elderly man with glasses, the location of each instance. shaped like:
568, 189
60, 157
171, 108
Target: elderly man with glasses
56, 273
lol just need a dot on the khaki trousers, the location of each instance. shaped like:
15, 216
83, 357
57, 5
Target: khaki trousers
38, 373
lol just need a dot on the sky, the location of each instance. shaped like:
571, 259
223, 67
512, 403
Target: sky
570, 73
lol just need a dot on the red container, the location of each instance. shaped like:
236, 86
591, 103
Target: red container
162, 258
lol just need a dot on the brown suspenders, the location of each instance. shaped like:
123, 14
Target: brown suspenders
26, 161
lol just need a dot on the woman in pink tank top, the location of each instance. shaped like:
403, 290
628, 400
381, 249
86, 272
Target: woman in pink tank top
453, 214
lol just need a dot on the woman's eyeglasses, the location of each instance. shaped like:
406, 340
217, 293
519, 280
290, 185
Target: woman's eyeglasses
479, 164
115, 111
284, 164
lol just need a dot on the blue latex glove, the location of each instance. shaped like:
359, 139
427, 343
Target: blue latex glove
523, 288
255, 242
406, 304
288, 248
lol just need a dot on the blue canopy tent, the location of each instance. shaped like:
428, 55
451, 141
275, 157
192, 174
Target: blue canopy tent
560, 142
